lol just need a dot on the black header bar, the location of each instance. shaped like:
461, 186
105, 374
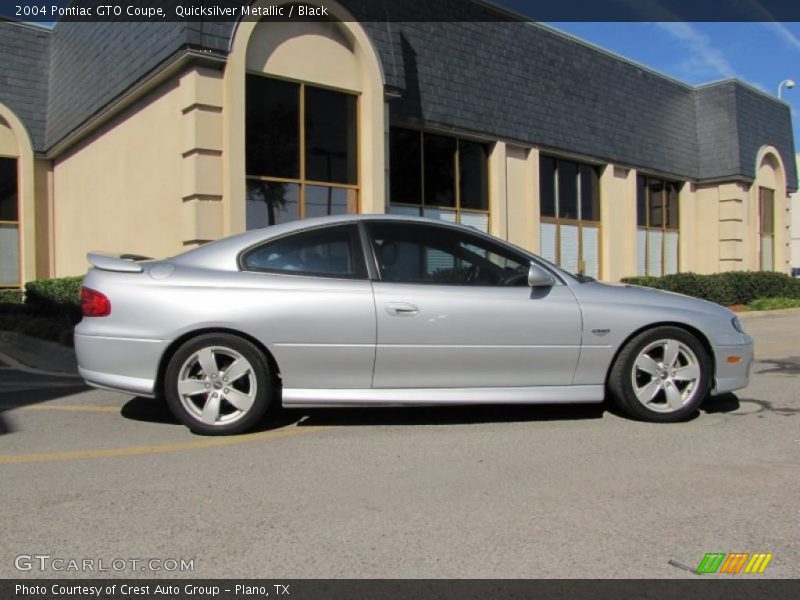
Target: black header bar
49, 11
396, 589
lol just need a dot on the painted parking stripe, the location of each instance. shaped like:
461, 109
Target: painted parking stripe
69, 408
156, 448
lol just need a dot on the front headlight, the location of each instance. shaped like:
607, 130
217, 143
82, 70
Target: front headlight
737, 324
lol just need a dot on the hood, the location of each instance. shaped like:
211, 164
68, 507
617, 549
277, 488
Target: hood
635, 294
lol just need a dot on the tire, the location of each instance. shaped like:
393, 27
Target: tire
644, 384
231, 399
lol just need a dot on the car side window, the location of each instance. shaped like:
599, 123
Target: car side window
328, 252
419, 253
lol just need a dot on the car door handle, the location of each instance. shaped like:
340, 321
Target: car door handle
401, 309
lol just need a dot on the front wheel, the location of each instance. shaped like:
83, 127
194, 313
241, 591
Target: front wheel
661, 375
218, 384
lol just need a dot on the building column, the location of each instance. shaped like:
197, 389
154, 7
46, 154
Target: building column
201, 149
705, 253
783, 234
732, 232
689, 239
45, 232
522, 197
498, 186
618, 222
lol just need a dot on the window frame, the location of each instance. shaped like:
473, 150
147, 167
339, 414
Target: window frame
457, 209
354, 206
662, 229
17, 224
762, 232
357, 248
484, 239
580, 223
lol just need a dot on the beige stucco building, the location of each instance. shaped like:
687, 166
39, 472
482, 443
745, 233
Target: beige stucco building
794, 212
157, 143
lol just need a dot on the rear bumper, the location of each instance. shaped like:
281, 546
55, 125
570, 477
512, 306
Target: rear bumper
121, 364
732, 376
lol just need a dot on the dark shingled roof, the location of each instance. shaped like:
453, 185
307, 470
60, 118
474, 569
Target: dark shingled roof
501, 78
94, 63
24, 71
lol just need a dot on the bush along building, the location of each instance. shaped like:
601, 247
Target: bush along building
152, 138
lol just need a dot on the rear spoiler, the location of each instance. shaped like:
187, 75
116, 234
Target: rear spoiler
123, 263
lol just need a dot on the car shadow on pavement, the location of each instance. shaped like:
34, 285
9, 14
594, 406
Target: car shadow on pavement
5, 425
729, 403
724, 403
442, 415
156, 411
11, 400
153, 410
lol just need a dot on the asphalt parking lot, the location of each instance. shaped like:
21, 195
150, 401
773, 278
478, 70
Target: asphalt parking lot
481, 492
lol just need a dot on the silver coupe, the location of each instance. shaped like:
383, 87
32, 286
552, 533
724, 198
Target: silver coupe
379, 310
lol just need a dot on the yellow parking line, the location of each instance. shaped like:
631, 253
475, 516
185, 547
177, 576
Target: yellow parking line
156, 448
71, 408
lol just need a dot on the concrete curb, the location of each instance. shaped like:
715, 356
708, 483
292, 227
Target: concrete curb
40, 355
755, 314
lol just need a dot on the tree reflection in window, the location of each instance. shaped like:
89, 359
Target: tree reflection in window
301, 151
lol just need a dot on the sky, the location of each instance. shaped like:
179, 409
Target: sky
761, 54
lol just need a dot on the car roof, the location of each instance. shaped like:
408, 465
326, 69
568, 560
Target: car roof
222, 254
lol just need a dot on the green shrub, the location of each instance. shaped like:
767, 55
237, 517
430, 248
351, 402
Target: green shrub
56, 328
750, 285
730, 288
57, 296
773, 303
10, 296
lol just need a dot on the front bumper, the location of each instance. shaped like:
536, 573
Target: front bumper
735, 375
121, 364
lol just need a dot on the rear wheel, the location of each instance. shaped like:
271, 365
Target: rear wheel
218, 384
661, 375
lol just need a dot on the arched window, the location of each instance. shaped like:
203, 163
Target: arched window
9, 208
769, 188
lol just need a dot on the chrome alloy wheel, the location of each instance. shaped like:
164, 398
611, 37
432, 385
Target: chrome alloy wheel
217, 385
665, 376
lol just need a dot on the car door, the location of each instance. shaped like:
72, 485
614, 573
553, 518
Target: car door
316, 311
454, 309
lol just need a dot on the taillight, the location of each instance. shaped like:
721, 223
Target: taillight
94, 304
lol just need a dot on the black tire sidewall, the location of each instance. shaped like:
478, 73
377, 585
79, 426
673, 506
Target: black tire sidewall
623, 387
263, 377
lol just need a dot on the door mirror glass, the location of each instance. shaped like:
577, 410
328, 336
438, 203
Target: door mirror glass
538, 277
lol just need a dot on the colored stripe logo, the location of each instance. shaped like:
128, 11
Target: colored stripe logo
734, 563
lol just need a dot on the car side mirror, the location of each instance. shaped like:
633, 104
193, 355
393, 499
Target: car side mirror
538, 277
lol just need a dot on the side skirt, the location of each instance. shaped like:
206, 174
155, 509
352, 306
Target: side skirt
566, 394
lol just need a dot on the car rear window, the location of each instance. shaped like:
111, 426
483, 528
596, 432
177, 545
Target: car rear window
328, 252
